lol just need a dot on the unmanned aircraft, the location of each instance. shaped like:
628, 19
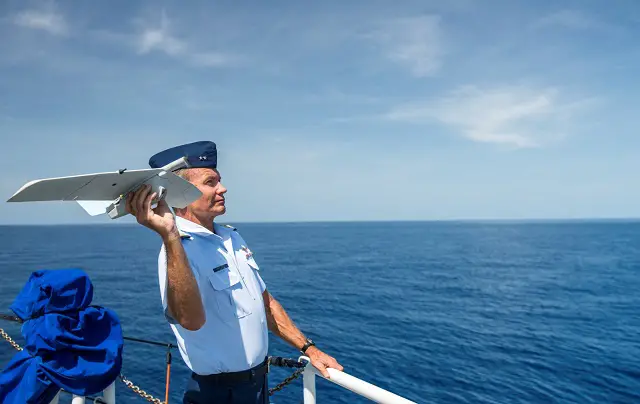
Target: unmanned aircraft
105, 193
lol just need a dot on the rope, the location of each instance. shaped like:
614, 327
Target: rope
285, 362
16, 319
146, 341
166, 393
9, 317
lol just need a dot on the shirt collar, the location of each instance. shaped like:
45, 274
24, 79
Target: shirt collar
187, 228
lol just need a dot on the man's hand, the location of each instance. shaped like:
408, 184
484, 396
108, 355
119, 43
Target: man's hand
322, 361
160, 219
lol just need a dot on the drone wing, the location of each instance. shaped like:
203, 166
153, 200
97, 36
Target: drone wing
95, 192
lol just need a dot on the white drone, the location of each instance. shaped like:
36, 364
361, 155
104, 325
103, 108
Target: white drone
102, 193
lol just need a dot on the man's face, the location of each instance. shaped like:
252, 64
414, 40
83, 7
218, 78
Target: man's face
208, 181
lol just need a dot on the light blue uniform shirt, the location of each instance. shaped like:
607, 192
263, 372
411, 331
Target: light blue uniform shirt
234, 336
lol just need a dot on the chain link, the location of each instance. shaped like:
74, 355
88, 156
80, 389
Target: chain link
10, 340
139, 391
286, 381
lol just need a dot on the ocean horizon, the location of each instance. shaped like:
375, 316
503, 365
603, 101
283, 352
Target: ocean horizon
523, 220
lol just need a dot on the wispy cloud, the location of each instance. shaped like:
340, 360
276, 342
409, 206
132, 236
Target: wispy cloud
46, 20
412, 42
573, 19
161, 39
513, 116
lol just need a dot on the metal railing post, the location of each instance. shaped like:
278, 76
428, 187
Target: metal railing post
109, 394
309, 383
77, 399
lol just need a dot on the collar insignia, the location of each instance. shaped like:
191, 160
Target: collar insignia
247, 252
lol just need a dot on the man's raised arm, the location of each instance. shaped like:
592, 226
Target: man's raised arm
184, 302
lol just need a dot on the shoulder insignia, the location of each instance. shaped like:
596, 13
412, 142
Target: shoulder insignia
229, 227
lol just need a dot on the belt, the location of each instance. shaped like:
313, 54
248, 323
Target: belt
243, 376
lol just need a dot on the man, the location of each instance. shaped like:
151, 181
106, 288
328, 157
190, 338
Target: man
212, 293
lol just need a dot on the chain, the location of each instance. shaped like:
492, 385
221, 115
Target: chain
286, 381
126, 381
139, 391
10, 340
148, 396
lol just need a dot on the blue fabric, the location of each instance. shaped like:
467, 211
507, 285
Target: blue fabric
69, 344
198, 154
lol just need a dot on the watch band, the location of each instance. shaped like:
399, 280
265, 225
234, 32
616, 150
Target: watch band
307, 345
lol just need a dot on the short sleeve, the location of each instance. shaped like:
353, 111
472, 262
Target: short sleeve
263, 287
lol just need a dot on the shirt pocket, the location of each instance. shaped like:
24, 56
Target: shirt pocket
229, 294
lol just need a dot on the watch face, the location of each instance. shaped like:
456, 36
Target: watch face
307, 345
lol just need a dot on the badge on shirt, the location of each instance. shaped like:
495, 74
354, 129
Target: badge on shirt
220, 268
248, 252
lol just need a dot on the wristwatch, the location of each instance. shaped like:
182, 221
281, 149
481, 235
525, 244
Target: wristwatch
307, 345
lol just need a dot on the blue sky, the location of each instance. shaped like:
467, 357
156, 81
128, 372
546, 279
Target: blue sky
377, 110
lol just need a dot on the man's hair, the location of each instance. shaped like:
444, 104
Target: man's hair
183, 173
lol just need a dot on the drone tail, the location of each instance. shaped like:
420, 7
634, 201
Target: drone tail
95, 208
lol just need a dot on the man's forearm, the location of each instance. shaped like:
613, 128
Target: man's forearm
183, 296
280, 324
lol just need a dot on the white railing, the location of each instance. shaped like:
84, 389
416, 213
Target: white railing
108, 396
358, 386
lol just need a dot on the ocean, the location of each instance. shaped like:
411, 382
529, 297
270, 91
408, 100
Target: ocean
438, 312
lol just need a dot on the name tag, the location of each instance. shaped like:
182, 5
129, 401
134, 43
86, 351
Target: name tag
220, 268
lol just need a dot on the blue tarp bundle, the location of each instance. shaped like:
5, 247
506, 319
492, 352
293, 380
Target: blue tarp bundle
69, 344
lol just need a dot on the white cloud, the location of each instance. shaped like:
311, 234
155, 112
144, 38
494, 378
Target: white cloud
514, 116
45, 20
414, 43
161, 39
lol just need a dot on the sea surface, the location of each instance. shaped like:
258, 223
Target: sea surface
438, 312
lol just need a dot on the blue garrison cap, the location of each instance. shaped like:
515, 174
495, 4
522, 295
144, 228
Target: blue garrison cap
198, 154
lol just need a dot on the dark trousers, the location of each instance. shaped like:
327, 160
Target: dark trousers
248, 387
